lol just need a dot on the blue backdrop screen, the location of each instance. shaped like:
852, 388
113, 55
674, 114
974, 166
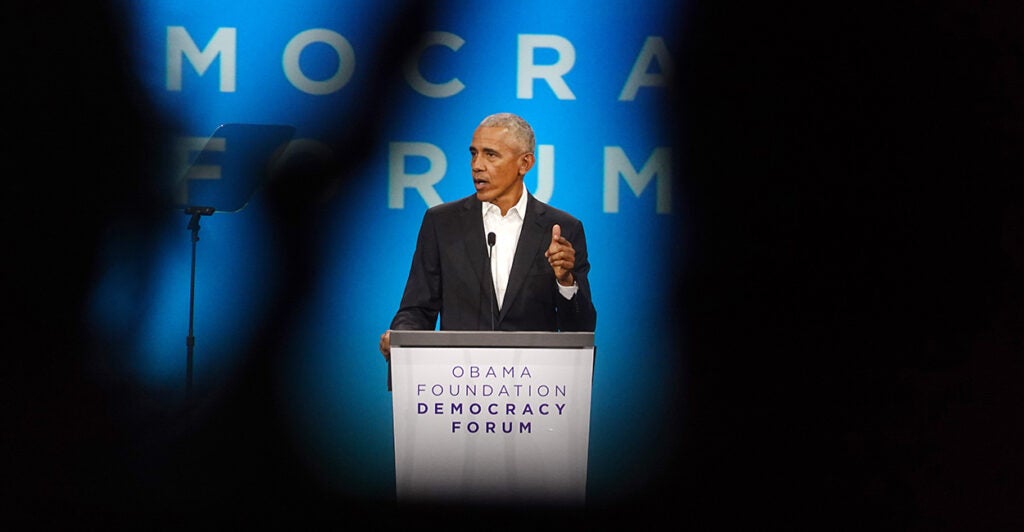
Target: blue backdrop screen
592, 79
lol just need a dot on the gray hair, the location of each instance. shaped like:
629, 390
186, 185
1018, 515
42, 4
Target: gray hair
519, 128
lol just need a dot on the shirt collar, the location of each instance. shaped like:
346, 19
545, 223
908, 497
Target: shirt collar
519, 207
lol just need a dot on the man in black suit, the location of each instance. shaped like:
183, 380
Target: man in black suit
531, 276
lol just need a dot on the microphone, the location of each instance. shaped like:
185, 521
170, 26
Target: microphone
491, 237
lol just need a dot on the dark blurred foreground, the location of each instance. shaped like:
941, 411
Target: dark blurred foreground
850, 309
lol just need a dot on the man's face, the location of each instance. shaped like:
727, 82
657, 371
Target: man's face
498, 164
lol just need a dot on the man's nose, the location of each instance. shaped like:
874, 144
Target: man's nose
476, 163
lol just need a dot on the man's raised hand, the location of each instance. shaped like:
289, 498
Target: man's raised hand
561, 256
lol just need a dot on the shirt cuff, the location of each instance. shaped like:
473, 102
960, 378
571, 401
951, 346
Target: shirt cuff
568, 291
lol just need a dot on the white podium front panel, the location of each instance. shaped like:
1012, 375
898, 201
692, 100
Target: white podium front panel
491, 424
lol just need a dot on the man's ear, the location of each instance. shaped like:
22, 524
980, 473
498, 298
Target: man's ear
526, 163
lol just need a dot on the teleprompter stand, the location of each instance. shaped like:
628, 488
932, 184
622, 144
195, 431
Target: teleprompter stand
190, 341
230, 167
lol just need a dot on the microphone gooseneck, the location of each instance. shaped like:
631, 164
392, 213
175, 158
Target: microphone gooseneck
491, 237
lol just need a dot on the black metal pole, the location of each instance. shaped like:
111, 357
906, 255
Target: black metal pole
190, 341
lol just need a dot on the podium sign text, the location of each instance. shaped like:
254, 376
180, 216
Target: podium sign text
492, 424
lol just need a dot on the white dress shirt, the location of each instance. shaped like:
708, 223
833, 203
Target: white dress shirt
506, 230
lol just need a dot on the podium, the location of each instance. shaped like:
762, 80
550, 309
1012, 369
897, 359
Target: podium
491, 417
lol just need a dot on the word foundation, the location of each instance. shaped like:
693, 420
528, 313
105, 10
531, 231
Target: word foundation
489, 390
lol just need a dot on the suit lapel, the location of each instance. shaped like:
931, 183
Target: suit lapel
531, 242
475, 245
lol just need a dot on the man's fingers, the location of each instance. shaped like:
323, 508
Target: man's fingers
558, 242
562, 258
385, 344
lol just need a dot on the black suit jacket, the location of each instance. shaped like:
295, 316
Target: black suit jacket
450, 274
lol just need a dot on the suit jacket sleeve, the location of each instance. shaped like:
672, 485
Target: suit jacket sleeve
421, 300
578, 313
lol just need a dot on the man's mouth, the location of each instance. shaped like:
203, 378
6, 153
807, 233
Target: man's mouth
479, 183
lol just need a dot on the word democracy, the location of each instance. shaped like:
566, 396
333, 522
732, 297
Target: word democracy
182, 47
493, 409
